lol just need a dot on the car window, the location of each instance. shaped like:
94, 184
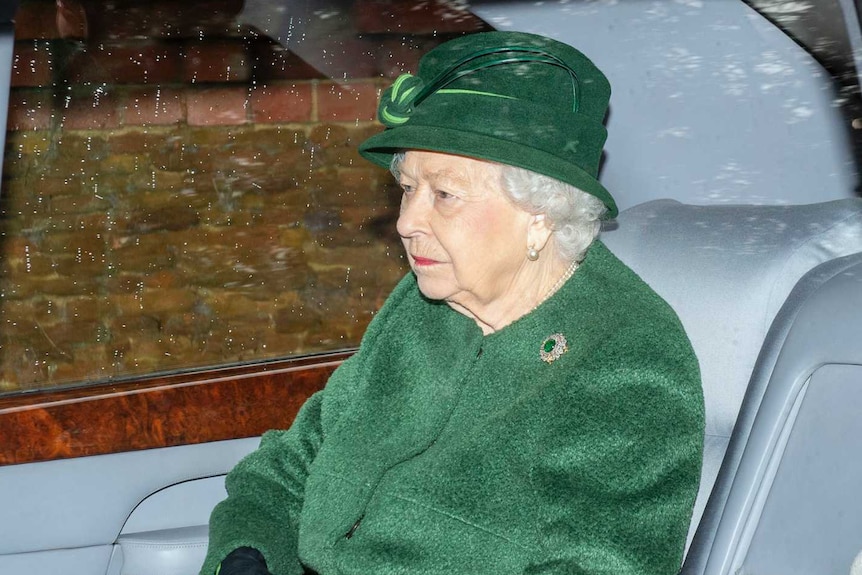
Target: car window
181, 186
831, 30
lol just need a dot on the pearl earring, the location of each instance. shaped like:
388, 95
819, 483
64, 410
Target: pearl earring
532, 254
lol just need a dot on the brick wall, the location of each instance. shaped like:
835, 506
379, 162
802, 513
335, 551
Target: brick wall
180, 190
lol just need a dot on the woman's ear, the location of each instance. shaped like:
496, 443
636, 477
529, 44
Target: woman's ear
538, 232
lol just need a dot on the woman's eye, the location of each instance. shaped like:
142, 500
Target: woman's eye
444, 195
406, 189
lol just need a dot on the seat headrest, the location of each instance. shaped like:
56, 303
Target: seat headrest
727, 270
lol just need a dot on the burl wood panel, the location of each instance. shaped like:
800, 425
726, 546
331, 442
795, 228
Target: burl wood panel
159, 412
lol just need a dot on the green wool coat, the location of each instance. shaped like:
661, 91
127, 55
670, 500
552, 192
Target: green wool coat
437, 450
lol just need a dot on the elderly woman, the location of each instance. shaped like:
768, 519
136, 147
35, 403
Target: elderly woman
523, 402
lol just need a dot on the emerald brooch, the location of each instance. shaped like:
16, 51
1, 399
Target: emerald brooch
553, 348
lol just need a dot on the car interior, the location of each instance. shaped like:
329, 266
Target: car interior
739, 190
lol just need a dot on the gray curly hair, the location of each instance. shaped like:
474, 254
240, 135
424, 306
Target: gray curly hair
574, 216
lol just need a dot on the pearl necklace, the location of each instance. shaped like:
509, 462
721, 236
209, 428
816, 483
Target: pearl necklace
563, 279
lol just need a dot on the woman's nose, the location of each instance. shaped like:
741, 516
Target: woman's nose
413, 218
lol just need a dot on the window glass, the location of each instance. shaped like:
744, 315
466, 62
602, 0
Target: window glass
830, 31
181, 185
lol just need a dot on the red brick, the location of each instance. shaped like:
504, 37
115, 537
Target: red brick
272, 61
156, 302
281, 103
121, 21
408, 16
224, 61
154, 107
136, 142
329, 135
90, 110
32, 65
397, 56
217, 106
72, 153
28, 145
29, 110
56, 185
132, 63
340, 156
353, 57
36, 20
61, 286
169, 18
143, 221
70, 205
99, 21
160, 280
349, 102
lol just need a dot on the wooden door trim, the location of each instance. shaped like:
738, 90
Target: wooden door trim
162, 411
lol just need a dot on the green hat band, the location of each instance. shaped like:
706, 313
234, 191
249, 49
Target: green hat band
509, 97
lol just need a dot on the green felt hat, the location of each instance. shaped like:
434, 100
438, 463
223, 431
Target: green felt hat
509, 97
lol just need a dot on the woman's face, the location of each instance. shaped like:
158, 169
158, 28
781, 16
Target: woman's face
464, 238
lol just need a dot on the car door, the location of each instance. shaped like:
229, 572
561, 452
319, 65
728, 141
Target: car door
191, 244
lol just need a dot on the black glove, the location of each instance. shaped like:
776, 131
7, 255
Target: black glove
243, 561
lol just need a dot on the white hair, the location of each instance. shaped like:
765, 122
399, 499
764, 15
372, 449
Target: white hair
574, 216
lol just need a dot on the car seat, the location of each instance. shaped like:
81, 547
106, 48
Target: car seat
771, 298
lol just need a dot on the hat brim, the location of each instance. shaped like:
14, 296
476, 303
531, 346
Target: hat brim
380, 148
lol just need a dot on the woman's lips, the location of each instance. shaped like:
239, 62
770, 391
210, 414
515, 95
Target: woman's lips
420, 261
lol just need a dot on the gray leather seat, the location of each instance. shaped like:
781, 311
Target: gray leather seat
178, 551
743, 279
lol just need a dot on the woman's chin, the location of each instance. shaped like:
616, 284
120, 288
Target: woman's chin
431, 288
